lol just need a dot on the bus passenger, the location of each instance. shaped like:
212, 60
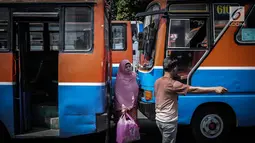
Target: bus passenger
126, 91
166, 93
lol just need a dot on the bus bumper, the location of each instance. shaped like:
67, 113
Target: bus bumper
101, 122
148, 109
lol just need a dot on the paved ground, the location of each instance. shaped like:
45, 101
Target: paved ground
150, 134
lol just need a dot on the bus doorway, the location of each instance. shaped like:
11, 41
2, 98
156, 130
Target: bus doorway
36, 46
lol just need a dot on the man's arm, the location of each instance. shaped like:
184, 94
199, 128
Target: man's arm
181, 88
207, 89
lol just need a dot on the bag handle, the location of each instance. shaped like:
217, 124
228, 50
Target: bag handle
129, 117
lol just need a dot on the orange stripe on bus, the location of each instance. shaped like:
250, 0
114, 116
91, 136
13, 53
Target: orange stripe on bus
6, 67
228, 53
80, 68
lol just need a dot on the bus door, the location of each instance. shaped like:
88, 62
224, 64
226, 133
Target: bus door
34, 69
23, 43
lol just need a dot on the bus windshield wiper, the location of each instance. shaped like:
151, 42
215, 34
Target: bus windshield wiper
142, 14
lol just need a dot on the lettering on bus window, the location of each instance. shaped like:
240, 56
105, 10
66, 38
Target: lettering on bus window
4, 14
119, 36
36, 36
78, 29
221, 18
151, 24
246, 34
187, 33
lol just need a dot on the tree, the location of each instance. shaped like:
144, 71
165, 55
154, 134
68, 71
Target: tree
127, 9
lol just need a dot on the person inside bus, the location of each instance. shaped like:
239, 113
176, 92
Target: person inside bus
149, 61
126, 91
166, 91
79, 44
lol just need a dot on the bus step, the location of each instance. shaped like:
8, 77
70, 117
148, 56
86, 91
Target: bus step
40, 133
52, 123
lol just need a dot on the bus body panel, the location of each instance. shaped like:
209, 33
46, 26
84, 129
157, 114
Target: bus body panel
82, 81
6, 89
243, 109
229, 64
81, 94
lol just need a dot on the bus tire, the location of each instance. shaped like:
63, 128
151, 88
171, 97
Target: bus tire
212, 124
4, 135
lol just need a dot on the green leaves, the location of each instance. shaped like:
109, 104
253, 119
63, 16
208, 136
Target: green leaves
127, 9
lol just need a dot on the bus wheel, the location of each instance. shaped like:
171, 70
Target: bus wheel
212, 124
4, 135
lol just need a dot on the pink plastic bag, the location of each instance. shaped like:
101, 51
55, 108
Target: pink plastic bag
127, 129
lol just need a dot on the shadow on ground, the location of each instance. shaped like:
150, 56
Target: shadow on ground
151, 134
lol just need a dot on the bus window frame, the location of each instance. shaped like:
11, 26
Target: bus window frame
63, 31
125, 36
247, 15
9, 31
210, 35
176, 17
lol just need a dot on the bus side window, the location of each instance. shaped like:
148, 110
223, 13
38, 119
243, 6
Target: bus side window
78, 29
189, 35
4, 28
119, 37
246, 34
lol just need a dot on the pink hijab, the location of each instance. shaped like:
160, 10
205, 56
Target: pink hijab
126, 88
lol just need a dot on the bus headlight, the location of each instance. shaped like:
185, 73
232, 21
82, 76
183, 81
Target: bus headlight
148, 95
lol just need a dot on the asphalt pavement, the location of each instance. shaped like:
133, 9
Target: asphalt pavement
150, 134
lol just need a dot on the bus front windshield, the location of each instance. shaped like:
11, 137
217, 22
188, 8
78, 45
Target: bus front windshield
147, 54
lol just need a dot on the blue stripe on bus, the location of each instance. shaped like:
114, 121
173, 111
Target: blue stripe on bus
7, 107
114, 75
233, 80
78, 106
115, 71
242, 105
236, 81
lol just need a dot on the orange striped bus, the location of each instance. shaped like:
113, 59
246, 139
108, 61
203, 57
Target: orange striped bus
55, 67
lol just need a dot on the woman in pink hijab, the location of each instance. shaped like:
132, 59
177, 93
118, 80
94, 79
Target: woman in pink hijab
126, 91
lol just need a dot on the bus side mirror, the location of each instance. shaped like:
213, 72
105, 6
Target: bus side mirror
140, 41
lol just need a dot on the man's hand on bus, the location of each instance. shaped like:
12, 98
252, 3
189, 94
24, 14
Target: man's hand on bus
220, 90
